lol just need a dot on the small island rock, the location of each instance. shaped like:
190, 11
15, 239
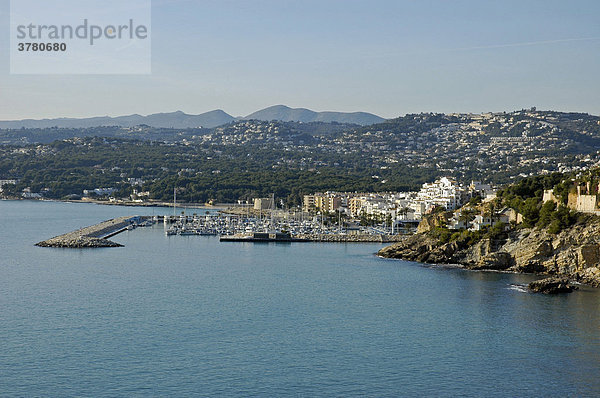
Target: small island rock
552, 285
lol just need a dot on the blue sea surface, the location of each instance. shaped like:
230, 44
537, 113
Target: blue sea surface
191, 316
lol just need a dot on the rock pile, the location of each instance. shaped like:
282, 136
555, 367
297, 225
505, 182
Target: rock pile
78, 243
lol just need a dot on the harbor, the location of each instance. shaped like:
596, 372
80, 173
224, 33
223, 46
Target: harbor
276, 226
268, 227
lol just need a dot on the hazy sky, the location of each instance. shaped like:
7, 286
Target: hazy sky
386, 57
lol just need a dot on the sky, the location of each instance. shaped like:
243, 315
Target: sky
380, 56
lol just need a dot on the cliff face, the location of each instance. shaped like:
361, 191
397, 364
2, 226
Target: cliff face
574, 253
434, 221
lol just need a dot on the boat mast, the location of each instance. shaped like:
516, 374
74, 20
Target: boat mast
272, 206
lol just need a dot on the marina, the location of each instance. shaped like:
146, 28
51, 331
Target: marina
283, 227
276, 226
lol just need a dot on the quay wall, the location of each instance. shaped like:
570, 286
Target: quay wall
349, 238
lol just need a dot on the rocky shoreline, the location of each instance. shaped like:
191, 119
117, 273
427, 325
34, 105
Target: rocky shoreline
573, 253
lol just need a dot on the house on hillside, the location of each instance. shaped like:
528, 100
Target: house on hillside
480, 222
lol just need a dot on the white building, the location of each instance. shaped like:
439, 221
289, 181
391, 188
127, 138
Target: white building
99, 191
486, 191
7, 182
401, 206
443, 192
263, 203
479, 222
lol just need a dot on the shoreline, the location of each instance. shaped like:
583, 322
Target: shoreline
125, 204
546, 283
572, 253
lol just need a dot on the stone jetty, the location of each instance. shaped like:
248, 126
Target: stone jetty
93, 236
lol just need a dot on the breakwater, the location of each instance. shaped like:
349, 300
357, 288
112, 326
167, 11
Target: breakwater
93, 236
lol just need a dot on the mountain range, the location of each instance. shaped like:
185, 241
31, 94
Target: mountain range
287, 114
209, 119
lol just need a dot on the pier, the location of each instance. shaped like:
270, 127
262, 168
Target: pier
93, 236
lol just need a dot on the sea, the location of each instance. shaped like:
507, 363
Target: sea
187, 316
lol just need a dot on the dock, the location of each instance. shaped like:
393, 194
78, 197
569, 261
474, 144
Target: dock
259, 237
282, 237
349, 238
92, 236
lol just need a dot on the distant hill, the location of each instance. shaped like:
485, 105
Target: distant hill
165, 120
287, 114
180, 120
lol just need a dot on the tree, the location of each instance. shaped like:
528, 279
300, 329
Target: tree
467, 215
475, 200
546, 214
530, 212
388, 220
9, 190
562, 218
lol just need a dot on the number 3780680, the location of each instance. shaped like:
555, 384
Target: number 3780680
42, 46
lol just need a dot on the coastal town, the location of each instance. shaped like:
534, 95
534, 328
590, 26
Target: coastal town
246, 156
323, 198
378, 213
391, 212
316, 178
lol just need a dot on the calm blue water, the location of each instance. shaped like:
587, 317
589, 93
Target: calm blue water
190, 316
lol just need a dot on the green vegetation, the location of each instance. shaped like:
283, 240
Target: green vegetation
250, 158
526, 198
532, 187
63, 169
526, 195
466, 238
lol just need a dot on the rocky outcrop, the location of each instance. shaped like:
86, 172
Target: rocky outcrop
420, 247
434, 221
552, 285
499, 261
574, 253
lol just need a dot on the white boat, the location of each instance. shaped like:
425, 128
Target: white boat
171, 231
